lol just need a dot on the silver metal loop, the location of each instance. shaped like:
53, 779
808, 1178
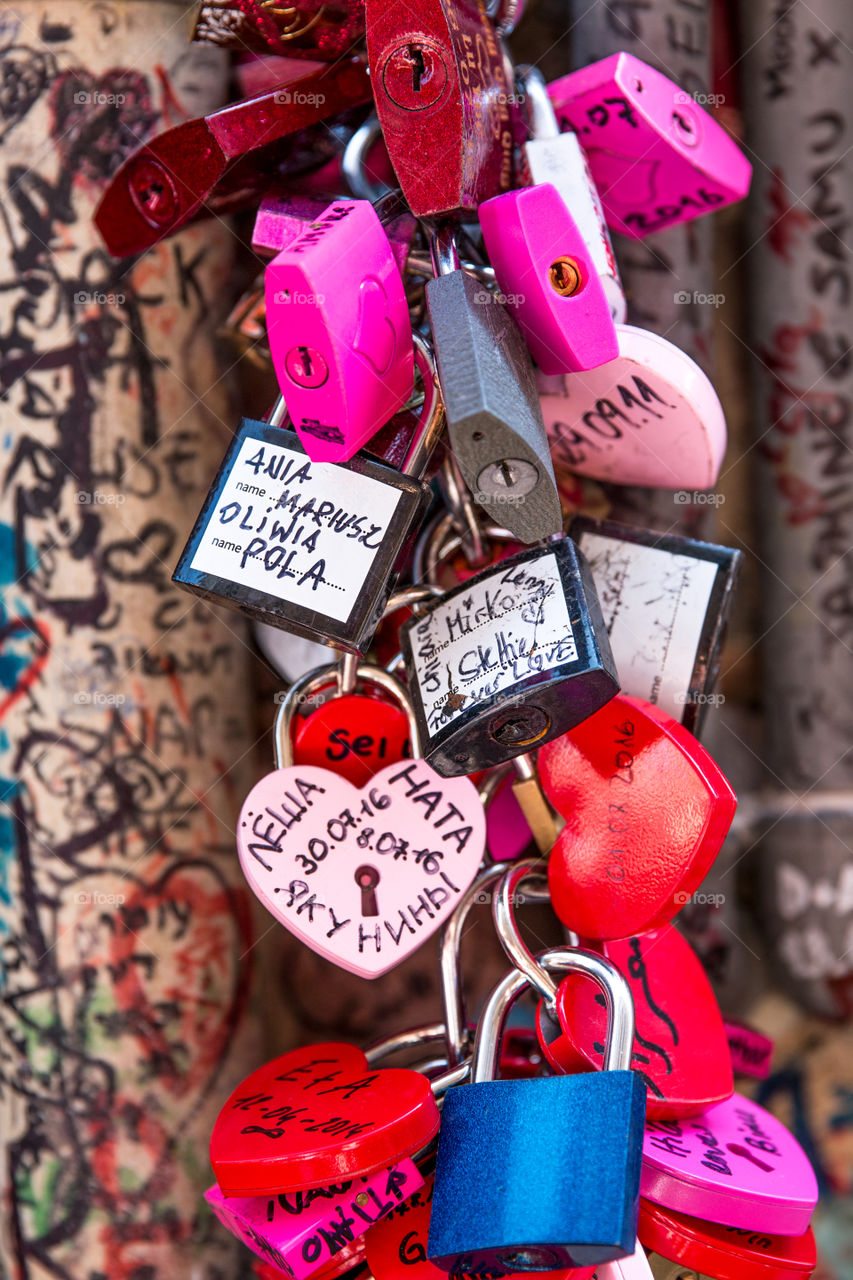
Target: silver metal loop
530, 872
354, 161
454, 1075
460, 503
431, 422
443, 250
420, 264
440, 540
401, 1041
541, 116
617, 993
505, 14
278, 413
450, 946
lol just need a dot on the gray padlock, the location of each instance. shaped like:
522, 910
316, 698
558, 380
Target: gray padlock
489, 391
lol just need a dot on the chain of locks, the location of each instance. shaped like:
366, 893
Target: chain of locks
515, 709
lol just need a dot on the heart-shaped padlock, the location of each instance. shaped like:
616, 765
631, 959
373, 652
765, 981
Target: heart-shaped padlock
735, 1164
315, 1116
362, 877
680, 1045
727, 1253
646, 811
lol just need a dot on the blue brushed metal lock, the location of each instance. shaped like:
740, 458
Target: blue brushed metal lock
541, 1174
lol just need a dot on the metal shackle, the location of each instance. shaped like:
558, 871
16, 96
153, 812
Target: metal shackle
541, 116
533, 872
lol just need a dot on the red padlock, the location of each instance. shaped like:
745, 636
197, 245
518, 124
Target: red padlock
726, 1253
354, 734
646, 810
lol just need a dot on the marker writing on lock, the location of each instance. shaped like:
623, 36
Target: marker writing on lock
570, 442
618, 816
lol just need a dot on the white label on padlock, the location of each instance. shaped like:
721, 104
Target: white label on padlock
306, 532
486, 639
654, 605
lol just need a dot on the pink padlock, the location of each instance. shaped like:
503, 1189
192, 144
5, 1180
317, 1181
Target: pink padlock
657, 157
283, 217
301, 1231
548, 279
649, 417
343, 356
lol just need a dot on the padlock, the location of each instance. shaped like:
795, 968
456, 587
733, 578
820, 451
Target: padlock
343, 356
363, 877
301, 1232
317, 1115
284, 216
558, 157
348, 1260
751, 1051
220, 162
538, 1174
724, 1253
666, 602
657, 156
734, 1164
442, 98
309, 547
508, 660
647, 810
680, 1045
489, 392
650, 417
548, 280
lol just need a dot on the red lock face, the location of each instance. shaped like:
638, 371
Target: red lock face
355, 736
646, 811
680, 1047
726, 1253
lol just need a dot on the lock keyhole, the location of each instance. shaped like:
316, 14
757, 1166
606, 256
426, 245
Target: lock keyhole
416, 54
367, 878
306, 361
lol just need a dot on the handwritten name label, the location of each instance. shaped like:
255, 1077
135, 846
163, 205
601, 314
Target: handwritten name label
305, 532
491, 637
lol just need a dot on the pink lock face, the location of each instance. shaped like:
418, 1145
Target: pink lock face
736, 1164
649, 417
548, 279
657, 157
343, 356
362, 877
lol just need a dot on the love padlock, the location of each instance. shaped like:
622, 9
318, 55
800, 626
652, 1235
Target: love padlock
657, 156
488, 387
310, 547
646, 810
301, 1232
677, 595
649, 417
562, 1151
724, 1253
282, 217
510, 659
735, 1164
680, 1047
315, 1116
442, 98
343, 356
363, 877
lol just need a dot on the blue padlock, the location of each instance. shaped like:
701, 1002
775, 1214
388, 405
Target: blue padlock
541, 1174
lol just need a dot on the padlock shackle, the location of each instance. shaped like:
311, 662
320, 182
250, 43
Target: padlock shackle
354, 161
617, 993
278, 413
541, 116
449, 952
400, 1041
442, 539
431, 422
314, 680
460, 504
443, 250
534, 873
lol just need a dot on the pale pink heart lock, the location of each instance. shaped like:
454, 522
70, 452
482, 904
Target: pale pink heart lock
363, 877
735, 1164
649, 417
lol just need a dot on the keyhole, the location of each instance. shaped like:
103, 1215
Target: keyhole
306, 360
367, 878
418, 66
745, 1154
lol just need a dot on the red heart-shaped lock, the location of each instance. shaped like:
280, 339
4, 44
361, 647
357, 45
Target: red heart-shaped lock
399, 1242
727, 1253
317, 1115
680, 1045
354, 735
646, 812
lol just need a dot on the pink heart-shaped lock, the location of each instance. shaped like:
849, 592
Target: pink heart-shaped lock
735, 1164
649, 417
362, 877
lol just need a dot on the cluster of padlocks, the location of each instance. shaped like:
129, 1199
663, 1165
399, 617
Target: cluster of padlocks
515, 708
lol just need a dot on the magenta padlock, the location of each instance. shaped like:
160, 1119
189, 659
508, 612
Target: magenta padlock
548, 279
342, 350
282, 217
657, 157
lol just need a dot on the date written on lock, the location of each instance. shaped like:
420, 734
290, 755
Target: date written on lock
508, 660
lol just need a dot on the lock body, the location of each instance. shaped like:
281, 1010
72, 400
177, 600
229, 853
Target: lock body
657, 157
503, 1143
343, 356
309, 547
548, 279
681, 1243
509, 660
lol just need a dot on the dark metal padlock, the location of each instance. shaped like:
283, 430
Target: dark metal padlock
536, 1175
508, 660
666, 602
493, 416
309, 547
442, 97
